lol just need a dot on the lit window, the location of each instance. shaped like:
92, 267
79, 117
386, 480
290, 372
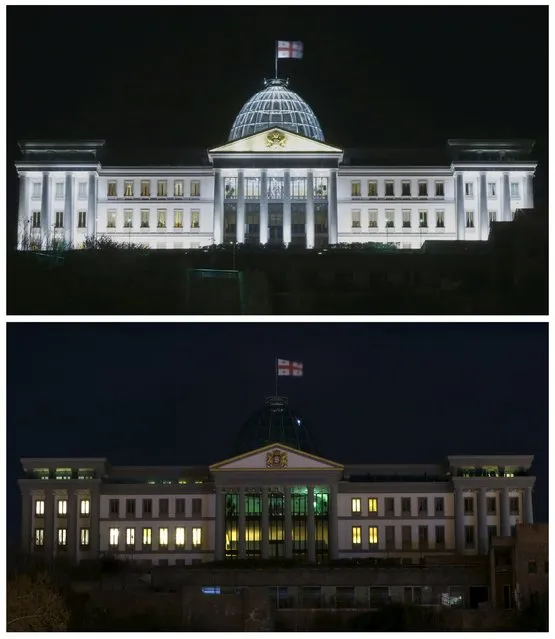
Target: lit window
128, 218
195, 219
37, 190
423, 219
163, 537
178, 188
440, 189
39, 508
373, 535
298, 188
81, 219
180, 536
469, 189
178, 219
356, 535
372, 505
147, 536
195, 188
321, 187
355, 218
112, 189
355, 189
492, 215
111, 219
129, 536
405, 189
162, 188
389, 219
39, 537
372, 219
62, 537
59, 191
406, 218
355, 505
145, 218
82, 190
114, 537
84, 537
62, 507
422, 189
145, 188
470, 219
85, 508
492, 189
389, 189
128, 189
36, 220
63, 473
440, 219
515, 191
59, 220
197, 537
161, 218
372, 188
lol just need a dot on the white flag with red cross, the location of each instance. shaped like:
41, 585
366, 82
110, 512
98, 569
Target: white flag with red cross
287, 49
289, 369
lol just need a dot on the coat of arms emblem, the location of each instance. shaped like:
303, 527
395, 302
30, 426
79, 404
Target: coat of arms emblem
275, 139
276, 459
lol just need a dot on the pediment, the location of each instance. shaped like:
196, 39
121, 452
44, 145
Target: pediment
275, 141
276, 457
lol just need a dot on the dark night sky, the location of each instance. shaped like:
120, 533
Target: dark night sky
178, 76
178, 393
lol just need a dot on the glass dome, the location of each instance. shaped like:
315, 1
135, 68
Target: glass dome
275, 423
276, 106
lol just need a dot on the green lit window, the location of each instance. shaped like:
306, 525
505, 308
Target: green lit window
63, 473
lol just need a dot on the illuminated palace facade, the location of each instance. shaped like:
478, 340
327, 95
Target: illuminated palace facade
273, 498
275, 181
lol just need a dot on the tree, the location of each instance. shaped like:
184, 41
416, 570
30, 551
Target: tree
34, 605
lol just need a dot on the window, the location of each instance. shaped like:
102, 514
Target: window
470, 219
178, 188
492, 215
130, 507
114, 537
422, 189
37, 190
252, 188
197, 507
492, 189
85, 507
145, 188
162, 188
389, 188
355, 215
389, 504
405, 189
163, 507
439, 505
355, 189
423, 506
128, 218
59, 220
440, 535
82, 190
372, 505
178, 219
163, 537
514, 506
179, 537
372, 219
423, 537
112, 189
195, 188
406, 537
114, 506
389, 219
423, 219
84, 537
62, 537
356, 536
147, 507
39, 537
532, 567
81, 219
469, 536
197, 537
128, 188
440, 189
372, 188
405, 506
406, 218
147, 537
373, 535
492, 532
62, 507
355, 506
468, 505
63, 473
39, 508
59, 191
145, 218
180, 506
440, 219
130, 537
515, 192
491, 505
195, 219
111, 220
161, 218
36, 220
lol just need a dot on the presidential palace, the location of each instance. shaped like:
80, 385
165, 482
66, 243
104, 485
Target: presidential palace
275, 497
275, 181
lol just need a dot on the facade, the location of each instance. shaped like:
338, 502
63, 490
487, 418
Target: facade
277, 499
276, 181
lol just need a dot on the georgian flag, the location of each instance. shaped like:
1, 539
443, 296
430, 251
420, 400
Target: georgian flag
289, 369
286, 49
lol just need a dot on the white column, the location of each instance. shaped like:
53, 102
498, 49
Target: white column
218, 207
529, 186
332, 207
483, 206
263, 206
309, 210
505, 199
287, 207
23, 222
504, 512
91, 211
332, 522
311, 527
528, 506
241, 207
459, 205
459, 520
72, 520
45, 209
482, 522
69, 214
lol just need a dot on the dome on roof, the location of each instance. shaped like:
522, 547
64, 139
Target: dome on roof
276, 106
275, 423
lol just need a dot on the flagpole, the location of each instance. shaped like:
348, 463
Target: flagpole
276, 59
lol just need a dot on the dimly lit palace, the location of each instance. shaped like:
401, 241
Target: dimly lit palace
275, 181
274, 498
